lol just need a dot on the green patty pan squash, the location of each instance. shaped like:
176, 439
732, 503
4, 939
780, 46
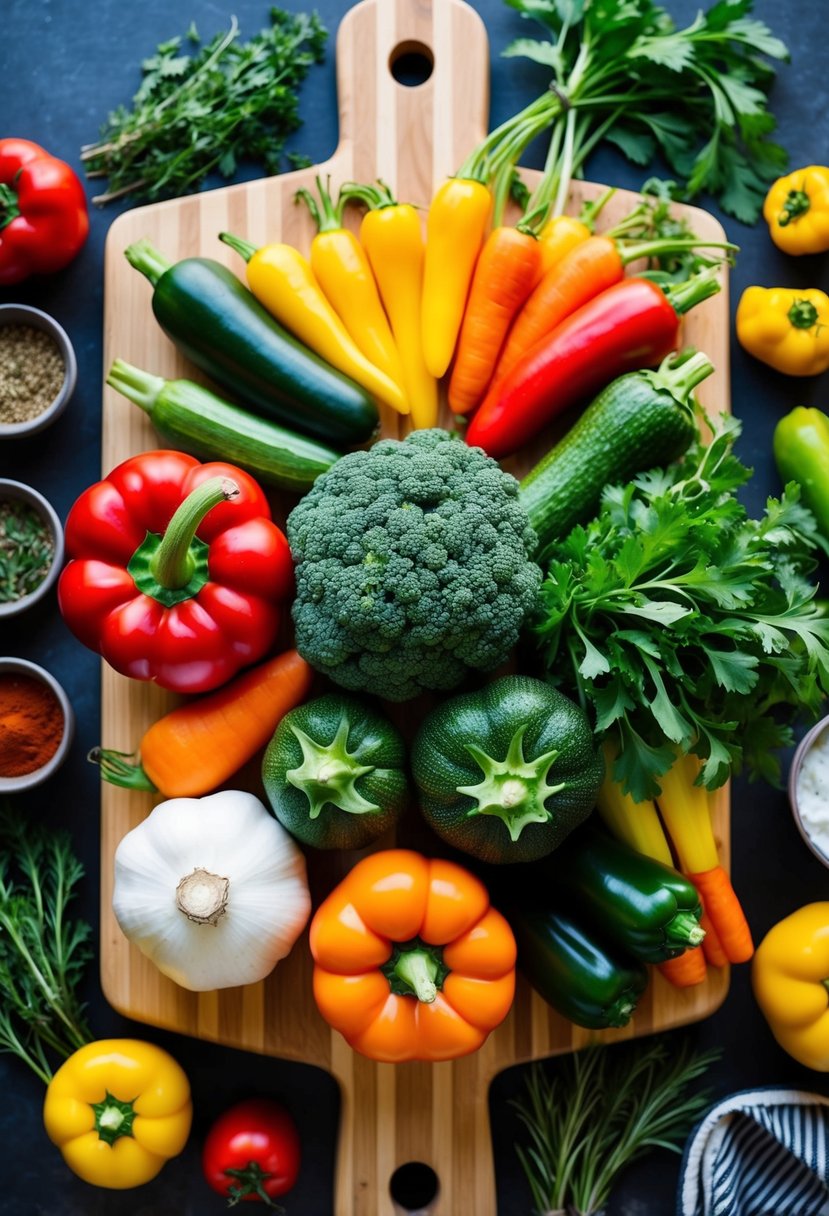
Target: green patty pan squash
507, 772
334, 773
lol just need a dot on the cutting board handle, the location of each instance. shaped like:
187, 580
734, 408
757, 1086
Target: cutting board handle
411, 132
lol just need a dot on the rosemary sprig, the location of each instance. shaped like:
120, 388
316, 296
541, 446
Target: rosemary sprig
227, 102
42, 951
27, 549
603, 1109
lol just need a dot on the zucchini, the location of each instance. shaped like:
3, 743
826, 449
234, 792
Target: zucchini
194, 420
639, 421
218, 324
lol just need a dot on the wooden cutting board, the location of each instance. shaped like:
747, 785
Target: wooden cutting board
412, 137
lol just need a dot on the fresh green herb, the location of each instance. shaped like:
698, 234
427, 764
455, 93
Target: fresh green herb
676, 618
42, 952
194, 114
623, 72
601, 1110
27, 549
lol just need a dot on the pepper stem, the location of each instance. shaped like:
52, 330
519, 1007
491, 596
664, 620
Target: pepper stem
419, 970
797, 203
202, 896
144, 256
684, 930
245, 248
120, 768
326, 214
172, 565
803, 314
9, 209
685, 296
113, 1118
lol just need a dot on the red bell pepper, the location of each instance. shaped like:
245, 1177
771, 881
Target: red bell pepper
44, 218
631, 325
177, 571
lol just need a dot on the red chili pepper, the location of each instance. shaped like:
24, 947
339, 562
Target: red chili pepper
44, 219
632, 324
178, 569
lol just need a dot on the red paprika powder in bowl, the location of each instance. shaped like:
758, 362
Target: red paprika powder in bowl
36, 725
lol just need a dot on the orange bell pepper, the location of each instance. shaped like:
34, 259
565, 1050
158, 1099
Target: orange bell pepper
412, 963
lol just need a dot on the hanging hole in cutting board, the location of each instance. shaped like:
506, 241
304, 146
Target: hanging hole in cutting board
411, 63
414, 1186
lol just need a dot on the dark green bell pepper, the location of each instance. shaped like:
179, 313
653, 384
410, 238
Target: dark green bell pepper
505, 773
801, 450
574, 970
641, 905
334, 773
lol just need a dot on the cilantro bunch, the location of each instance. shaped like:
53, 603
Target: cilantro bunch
674, 618
623, 72
197, 113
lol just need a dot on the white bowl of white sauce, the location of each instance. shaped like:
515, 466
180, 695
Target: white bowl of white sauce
809, 789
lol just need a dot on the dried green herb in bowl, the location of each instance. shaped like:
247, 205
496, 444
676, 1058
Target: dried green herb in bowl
31, 547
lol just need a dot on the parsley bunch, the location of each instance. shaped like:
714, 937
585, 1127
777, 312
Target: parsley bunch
193, 114
675, 618
622, 71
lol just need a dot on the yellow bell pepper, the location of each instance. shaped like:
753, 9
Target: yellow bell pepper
787, 329
797, 211
118, 1109
791, 984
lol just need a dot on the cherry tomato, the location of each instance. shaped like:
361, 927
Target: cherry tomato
252, 1152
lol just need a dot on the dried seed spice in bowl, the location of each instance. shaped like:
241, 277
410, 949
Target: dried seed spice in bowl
37, 370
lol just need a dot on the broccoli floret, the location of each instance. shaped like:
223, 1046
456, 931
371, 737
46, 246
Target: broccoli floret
412, 566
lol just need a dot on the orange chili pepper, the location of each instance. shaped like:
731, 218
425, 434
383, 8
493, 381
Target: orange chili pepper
412, 963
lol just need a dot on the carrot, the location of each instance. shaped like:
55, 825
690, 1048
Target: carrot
725, 914
198, 746
504, 276
584, 272
687, 969
711, 944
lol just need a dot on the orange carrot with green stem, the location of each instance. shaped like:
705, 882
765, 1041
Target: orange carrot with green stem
685, 810
198, 746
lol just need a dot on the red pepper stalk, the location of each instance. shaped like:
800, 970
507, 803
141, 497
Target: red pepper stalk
177, 571
44, 219
631, 325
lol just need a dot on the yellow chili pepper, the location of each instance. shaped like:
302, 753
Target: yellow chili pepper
635, 823
797, 211
343, 272
790, 976
283, 282
118, 1109
391, 236
558, 236
455, 230
785, 328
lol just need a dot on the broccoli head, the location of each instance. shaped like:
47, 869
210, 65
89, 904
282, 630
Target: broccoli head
412, 566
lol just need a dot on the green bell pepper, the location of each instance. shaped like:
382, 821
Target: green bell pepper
801, 450
641, 905
505, 773
574, 970
334, 773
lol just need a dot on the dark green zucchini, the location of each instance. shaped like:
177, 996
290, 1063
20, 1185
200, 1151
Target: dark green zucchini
218, 324
194, 420
639, 421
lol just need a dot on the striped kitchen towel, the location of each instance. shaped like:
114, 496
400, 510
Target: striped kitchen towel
763, 1152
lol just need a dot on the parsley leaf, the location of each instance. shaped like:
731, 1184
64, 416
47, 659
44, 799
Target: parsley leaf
673, 617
